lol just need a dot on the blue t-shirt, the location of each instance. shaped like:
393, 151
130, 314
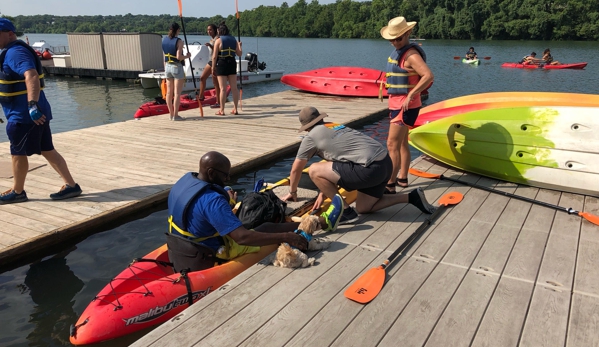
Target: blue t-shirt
211, 213
18, 60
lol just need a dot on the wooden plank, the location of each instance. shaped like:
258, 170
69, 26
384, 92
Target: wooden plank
419, 317
288, 321
503, 319
458, 324
583, 327
547, 319
587, 277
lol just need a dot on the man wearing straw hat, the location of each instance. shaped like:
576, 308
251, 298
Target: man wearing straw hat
407, 76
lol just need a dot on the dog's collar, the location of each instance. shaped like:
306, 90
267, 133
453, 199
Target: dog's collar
307, 236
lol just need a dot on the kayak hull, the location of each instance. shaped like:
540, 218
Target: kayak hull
338, 80
546, 147
155, 108
485, 101
575, 66
471, 61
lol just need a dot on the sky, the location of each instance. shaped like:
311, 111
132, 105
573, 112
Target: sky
191, 8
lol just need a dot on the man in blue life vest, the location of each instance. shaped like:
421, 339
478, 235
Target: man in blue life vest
200, 214
354, 161
29, 114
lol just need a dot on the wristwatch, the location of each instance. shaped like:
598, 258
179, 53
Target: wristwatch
32, 103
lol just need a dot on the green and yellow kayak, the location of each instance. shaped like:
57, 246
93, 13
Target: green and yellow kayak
471, 61
555, 147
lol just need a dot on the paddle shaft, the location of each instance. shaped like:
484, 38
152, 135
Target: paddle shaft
407, 243
239, 39
510, 195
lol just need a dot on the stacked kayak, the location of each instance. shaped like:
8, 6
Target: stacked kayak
187, 102
553, 147
485, 101
575, 66
471, 61
341, 81
338, 80
148, 292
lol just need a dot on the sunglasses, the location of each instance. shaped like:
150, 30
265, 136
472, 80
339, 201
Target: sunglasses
397, 38
227, 174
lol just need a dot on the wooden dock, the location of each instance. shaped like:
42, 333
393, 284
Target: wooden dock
491, 271
130, 166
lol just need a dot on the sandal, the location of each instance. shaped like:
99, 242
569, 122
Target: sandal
402, 182
234, 112
390, 189
219, 113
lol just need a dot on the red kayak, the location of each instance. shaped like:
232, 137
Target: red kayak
338, 80
575, 66
158, 107
342, 81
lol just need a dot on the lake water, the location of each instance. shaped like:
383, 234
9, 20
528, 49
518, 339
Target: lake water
39, 301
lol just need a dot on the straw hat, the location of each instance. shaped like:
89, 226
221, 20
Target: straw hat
397, 27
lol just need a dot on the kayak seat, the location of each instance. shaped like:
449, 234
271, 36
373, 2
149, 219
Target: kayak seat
187, 255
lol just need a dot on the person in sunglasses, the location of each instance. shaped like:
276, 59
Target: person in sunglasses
201, 217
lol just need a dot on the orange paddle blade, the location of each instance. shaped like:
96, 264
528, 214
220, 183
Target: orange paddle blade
419, 173
236, 8
367, 287
180, 8
451, 198
486, 58
591, 218
456, 58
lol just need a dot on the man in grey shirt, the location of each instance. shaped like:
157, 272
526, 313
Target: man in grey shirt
354, 161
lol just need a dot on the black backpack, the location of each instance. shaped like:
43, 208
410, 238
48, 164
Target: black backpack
261, 207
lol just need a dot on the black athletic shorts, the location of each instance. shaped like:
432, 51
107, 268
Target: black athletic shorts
226, 66
369, 180
408, 118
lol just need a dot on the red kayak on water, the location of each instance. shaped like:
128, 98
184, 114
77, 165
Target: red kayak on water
341, 81
575, 66
158, 107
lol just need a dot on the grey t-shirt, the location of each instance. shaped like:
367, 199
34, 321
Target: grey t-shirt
341, 144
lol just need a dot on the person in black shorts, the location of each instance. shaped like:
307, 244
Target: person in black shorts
354, 161
223, 56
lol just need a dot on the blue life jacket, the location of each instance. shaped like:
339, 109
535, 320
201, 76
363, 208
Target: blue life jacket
12, 84
187, 189
169, 47
228, 47
397, 78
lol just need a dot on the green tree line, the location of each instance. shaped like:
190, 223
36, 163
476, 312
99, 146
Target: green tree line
437, 19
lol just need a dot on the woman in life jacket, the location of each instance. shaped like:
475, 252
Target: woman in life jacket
172, 46
548, 59
225, 49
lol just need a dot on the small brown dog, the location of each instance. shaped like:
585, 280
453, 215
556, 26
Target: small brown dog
293, 258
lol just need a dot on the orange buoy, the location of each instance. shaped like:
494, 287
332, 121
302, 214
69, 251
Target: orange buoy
47, 55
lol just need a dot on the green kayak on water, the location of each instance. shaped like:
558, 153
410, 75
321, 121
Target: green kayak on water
471, 61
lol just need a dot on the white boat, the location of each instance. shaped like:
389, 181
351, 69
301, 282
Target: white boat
251, 70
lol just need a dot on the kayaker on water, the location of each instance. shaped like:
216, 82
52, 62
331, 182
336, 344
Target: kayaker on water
407, 76
530, 59
202, 223
471, 54
354, 161
548, 59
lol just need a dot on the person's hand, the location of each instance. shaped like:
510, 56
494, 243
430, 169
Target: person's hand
188, 55
318, 202
36, 115
290, 196
297, 241
406, 103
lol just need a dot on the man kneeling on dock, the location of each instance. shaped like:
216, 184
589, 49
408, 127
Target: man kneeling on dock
28, 112
203, 228
354, 161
